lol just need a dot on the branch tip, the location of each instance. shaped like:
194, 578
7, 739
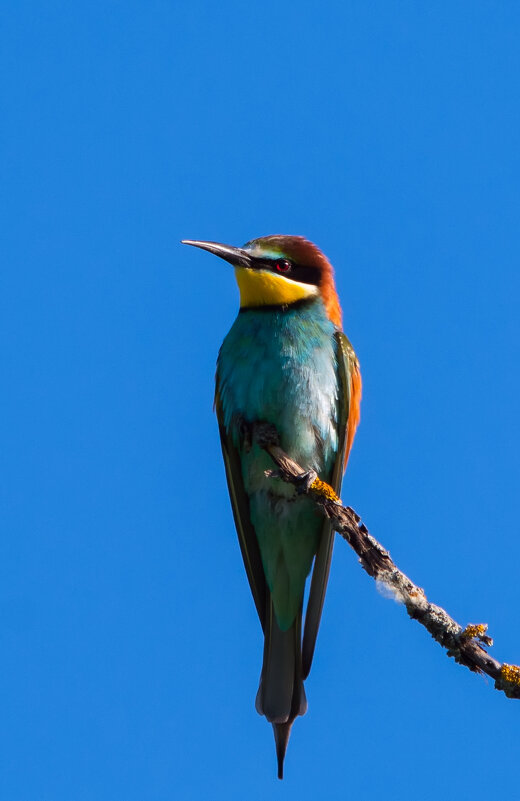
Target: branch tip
509, 680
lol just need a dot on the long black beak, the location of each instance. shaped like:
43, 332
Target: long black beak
235, 256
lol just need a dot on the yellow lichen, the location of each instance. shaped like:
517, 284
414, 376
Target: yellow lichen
324, 490
474, 630
510, 673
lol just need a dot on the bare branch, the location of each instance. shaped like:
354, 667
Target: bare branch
465, 645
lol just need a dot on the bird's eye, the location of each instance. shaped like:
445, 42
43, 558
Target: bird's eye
283, 266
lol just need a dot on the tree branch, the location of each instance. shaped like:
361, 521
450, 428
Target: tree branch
465, 645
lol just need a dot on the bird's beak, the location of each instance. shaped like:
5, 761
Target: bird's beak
235, 256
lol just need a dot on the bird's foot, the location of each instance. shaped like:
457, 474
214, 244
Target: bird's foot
304, 481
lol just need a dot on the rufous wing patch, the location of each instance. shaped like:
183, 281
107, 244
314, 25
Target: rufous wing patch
355, 406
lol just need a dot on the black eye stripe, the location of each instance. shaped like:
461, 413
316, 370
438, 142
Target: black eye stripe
302, 273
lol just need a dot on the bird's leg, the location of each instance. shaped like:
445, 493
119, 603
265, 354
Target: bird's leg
304, 481
266, 434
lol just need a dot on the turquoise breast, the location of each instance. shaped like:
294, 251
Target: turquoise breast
280, 366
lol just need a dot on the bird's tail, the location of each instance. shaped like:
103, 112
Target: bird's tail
281, 695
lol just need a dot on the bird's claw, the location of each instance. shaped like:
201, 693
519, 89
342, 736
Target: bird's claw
304, 481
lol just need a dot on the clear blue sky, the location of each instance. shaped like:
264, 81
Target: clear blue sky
387, 132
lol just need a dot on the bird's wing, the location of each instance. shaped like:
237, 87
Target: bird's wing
355, 385
348, 417
240, 505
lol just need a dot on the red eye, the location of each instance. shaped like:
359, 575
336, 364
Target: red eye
283, 266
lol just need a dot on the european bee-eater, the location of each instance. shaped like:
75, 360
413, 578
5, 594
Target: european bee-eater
285, 361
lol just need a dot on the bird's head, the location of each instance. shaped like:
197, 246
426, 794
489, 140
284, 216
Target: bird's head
278, 271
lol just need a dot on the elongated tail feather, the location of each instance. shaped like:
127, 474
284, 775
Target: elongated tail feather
281, 694
282, 732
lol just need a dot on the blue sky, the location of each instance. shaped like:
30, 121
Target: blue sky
388, 133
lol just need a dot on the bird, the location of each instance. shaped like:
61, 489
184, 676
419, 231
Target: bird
285, 362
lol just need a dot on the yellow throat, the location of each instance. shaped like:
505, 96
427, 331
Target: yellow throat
264, 288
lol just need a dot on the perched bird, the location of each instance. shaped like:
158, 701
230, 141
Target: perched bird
285, 361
